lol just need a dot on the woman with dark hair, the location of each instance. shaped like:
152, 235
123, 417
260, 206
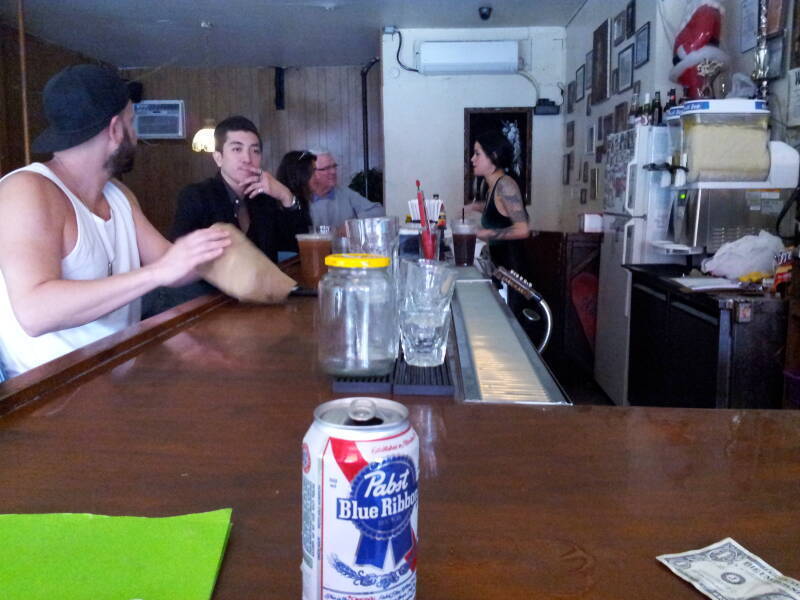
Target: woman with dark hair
504, 220
294, 172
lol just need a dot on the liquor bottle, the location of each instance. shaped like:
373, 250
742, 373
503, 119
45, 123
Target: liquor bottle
645, 118
671, 100
656, 111
634, 112
685, 95
441, 225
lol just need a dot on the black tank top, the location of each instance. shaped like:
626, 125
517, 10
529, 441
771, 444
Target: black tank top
504, 253
491, 217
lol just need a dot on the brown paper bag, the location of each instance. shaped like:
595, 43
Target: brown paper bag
245, 273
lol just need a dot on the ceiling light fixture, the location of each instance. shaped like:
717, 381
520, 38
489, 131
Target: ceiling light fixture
203, 140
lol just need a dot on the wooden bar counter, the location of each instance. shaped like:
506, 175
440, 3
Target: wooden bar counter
205, 406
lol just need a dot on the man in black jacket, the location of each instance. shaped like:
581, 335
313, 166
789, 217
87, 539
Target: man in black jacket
241, 193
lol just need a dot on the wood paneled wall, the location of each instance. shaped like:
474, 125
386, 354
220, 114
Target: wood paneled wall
322, 109
43, 61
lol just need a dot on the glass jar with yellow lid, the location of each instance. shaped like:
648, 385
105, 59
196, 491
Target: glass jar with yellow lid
357, 330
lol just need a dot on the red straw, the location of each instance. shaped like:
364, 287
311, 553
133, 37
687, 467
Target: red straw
425, 234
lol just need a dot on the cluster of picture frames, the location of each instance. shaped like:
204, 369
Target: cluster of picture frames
596, 82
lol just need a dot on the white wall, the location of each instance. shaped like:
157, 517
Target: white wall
652, 76
424, 115
664, 17
423, 119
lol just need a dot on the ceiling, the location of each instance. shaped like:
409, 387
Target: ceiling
288, 33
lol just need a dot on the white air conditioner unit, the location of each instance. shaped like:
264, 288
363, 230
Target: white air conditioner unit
462, 58
159, 119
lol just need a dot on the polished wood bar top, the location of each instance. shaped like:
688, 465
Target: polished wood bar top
205, 407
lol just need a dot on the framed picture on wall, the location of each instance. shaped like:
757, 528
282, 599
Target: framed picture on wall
570, 134
608, 125
625, 68
589, 103
619, 29
516, 125
621, 117
642, 45
583, 195
615, 81
600, 57
566, 166
593, 176
776, 16
588, 75
775, 53
630, 18
570, 97
794, 61
590, 140
580, 83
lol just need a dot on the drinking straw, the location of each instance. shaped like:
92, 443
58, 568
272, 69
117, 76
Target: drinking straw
425, 234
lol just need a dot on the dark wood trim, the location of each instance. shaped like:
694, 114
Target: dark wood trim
527, 177
78, 365
23, 81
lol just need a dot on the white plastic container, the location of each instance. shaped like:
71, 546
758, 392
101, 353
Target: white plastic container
726, 140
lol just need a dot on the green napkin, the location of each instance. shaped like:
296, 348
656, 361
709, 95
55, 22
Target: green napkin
96, 557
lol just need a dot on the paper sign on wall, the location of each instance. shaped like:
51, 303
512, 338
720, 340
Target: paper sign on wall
793, 112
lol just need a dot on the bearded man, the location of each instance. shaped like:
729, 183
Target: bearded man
76, 251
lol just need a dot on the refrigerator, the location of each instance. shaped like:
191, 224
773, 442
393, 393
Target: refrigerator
636, 213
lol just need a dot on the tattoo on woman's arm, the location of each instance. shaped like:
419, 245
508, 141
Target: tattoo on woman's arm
508, 191
512, 200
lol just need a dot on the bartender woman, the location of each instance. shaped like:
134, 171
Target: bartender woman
504, 220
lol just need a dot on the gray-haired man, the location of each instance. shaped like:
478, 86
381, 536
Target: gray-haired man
331, 204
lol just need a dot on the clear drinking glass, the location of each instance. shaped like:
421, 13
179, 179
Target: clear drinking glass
377, 235
425, 291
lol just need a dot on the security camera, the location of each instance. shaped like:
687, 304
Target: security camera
485, 12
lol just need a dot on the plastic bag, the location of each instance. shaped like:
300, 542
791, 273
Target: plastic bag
747, 254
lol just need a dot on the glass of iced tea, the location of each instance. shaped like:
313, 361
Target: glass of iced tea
463, 243
313, 248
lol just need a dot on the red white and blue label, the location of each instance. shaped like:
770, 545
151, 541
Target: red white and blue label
382, 498
369, 518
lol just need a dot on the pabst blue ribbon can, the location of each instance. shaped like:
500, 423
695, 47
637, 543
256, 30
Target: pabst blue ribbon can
360, 466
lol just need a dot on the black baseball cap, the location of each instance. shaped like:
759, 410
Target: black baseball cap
79, 103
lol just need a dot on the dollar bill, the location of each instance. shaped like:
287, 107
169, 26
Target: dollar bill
728, 571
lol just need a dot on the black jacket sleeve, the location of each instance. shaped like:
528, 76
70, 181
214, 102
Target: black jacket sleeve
191, 213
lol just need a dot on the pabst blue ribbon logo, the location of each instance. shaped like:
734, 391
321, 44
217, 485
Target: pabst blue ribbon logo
382, 497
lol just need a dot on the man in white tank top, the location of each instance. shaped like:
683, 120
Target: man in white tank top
76, 251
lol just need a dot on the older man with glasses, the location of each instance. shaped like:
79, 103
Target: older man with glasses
331, 204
